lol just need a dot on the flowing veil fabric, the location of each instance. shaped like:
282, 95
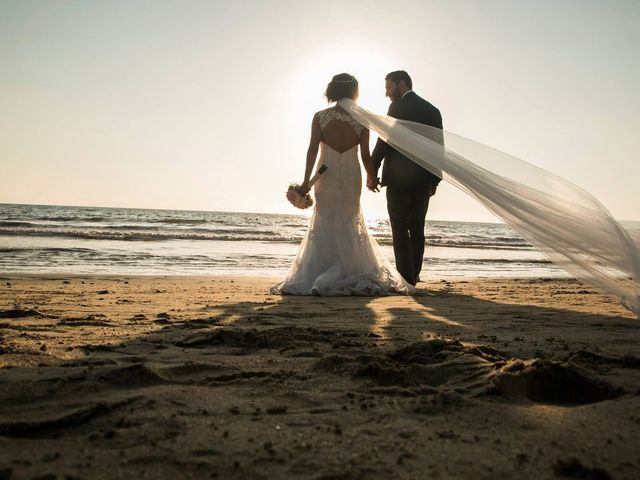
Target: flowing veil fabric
559, 218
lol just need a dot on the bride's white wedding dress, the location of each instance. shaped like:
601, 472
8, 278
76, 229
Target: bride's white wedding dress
338, 256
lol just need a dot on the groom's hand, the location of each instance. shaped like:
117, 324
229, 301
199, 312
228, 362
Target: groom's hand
373, 183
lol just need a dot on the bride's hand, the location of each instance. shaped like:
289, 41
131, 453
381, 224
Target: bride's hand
304, 187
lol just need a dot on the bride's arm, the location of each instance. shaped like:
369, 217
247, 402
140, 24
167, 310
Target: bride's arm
372, 181
312, 152
364, 152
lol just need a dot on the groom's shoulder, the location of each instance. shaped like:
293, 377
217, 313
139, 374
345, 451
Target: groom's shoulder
425, 103
427, 110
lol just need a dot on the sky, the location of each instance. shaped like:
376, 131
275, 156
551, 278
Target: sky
207, 105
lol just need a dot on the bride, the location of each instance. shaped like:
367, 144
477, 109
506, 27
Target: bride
338, 256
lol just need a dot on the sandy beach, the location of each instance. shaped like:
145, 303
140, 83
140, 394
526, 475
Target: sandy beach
213, 377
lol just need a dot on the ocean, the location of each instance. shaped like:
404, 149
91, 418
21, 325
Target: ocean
46, 239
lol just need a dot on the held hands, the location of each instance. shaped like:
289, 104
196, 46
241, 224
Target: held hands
304, 187
373, 183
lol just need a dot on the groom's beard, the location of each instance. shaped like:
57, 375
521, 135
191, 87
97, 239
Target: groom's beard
394, 95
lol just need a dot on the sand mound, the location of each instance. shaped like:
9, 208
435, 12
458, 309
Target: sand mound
554, 383
423, 366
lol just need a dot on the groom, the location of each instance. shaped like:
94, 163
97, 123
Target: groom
409, 186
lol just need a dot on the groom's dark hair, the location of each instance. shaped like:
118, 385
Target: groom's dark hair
400, 76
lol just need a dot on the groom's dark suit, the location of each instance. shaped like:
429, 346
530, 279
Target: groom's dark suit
409, 187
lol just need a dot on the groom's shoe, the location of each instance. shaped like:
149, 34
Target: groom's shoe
417, 280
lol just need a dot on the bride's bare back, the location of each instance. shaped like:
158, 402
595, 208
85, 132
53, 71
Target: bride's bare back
338, 129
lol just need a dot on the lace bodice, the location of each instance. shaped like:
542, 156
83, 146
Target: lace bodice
329, 114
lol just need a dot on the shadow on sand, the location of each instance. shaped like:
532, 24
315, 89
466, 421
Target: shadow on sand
268, 389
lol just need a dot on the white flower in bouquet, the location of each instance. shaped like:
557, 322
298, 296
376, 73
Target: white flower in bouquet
295, 195
297, 199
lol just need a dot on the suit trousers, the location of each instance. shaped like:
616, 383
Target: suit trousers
407, 207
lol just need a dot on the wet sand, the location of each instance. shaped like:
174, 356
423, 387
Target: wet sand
213, 377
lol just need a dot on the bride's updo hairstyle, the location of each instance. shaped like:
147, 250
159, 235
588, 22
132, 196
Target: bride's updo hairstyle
341, 86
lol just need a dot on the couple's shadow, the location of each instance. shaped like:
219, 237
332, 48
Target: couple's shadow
289, 346
520, 329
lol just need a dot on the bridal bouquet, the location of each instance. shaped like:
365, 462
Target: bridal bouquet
295, 196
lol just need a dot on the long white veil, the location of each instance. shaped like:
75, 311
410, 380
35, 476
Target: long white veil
559, 218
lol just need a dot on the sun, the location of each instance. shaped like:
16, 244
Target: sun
313, 75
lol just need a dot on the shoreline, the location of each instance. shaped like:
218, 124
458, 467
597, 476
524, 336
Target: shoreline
54, 276
252, 276
171, 377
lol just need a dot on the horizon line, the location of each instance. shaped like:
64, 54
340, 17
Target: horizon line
243, 212
222, 211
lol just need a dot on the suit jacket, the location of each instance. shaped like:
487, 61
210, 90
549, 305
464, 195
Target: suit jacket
398, 170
